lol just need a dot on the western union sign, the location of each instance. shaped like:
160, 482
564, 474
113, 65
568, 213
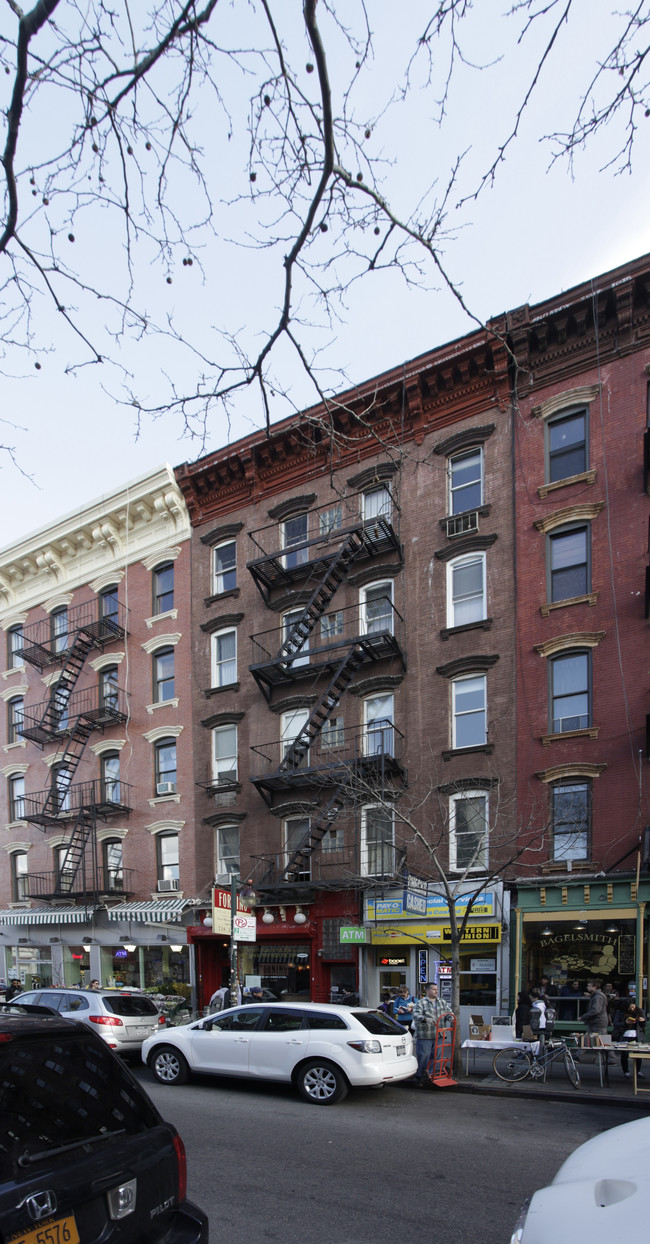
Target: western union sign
406, 931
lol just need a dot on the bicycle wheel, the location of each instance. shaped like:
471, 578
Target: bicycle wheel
512, 1065
571, 1069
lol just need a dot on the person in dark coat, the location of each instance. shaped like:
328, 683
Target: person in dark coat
522, 1012
629, 1025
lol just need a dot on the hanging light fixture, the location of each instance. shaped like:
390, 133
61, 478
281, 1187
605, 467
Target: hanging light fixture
546, 932
299, 917
130, 947
268, 917
612, 928
176, 949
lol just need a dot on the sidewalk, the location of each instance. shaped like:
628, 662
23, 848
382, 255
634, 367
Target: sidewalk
619, 1092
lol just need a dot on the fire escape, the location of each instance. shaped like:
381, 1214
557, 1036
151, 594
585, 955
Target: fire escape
325, 645
70, 716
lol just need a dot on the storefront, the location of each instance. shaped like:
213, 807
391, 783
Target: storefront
583, 930
403, 950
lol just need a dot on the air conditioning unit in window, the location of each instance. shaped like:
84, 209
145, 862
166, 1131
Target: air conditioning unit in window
461, 524
166, 788
172, 884
226, 777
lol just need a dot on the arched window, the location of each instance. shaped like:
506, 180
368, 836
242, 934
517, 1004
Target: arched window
224, 567
224, 754
59, 630
469, 711
569, 569
466, 481
163, 675
466, 595
377, 607
378, 724
60, 789
16, 785
167, 847
108, 604
163, 588
108, 688
110, 779
165, 767
14, 646
566, 446
224, 658
15, 710
19, 878
112, 855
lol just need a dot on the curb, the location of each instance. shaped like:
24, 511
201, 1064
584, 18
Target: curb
493, 1089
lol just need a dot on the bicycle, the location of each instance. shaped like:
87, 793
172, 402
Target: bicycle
516, 1064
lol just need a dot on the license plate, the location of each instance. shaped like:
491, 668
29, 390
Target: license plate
401, 1049
56, 1231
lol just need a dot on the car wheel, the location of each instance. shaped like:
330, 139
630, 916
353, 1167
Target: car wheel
169, 1066
321, 1083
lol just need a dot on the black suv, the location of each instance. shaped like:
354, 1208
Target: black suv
84, 1154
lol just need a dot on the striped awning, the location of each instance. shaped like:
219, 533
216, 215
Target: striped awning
152, 911
49, 915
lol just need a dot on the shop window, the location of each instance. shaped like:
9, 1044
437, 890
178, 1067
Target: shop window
466, 595
566, 446
15, 711
108, 688
468, 831
294, 533
571, 820
165, 767
224, 658
110, 778
224, 755
59, 630
108, 606
113, 868
163, 675
295, 832
569, 563
16, 785
167, 847
224, 567
377, 608
570, 676
15, 640
163, 588
289, 620
378, 724
227, 850
466, 481
19, 879
469, 711
378, 841
376, 503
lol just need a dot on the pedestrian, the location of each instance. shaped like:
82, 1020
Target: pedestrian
426, 1013
14, 989
570, 1010
220, 999
403, 1007
94, 984
386, 1004
595, 1017
522, 1013
629, 1025
255, 994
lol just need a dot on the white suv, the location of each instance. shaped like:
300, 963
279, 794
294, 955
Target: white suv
121, 1018
322, 1050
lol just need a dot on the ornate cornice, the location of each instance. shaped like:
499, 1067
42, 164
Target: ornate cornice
581, 396
577, 639
464, 440
556, 772
569, 514
476, 664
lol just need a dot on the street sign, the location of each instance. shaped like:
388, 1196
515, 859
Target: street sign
414, 903
221, 911
352, 933
244, 928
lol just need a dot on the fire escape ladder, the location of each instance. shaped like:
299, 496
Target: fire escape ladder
67, 766
331, 580
66, 683
327, 816
339, 683
73, 858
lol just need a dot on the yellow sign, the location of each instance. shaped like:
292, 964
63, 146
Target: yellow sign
408, 931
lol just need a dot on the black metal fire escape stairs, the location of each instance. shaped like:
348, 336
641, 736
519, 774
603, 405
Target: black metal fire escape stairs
88, 635
357, 542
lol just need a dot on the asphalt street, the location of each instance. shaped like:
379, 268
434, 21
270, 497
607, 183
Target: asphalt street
383, 1166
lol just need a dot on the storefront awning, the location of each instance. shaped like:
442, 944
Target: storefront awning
52, 915
153, 911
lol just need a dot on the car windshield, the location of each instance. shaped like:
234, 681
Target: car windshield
57, 1090
128, 1005
377, 1023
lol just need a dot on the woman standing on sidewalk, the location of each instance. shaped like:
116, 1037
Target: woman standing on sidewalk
629, 1025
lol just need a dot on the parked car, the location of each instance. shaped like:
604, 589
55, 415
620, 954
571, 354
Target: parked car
84, 1154
121, 1018
600, 1193
322, 1050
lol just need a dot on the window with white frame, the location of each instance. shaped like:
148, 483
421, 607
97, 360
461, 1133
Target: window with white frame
224, 567
376, 503
289, 620
108, 687
377, 607
571, 820
330, 519
110, 779
378, 724
292, 723
333, 840
469, 711
113, 869
224, 755
19, 879
168, 861
224, 658
227, 850
570, 679
466, 595
59, 630
64, 869
108, 604
61, 778
15, 714
16, 785
332, 733
163, 588
468, 831
377, 841
59, 701
294, 533
15, 641
163, 666
295, 833
165, 771
331, 626
466, 481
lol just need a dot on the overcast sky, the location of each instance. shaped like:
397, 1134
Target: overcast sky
538, 231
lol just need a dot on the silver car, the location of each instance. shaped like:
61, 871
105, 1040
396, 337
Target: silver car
121, 1018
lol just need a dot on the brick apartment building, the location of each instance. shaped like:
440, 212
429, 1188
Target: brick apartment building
581, 403
353, 659
96, 801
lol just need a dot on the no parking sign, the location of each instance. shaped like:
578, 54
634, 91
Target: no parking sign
244, 927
